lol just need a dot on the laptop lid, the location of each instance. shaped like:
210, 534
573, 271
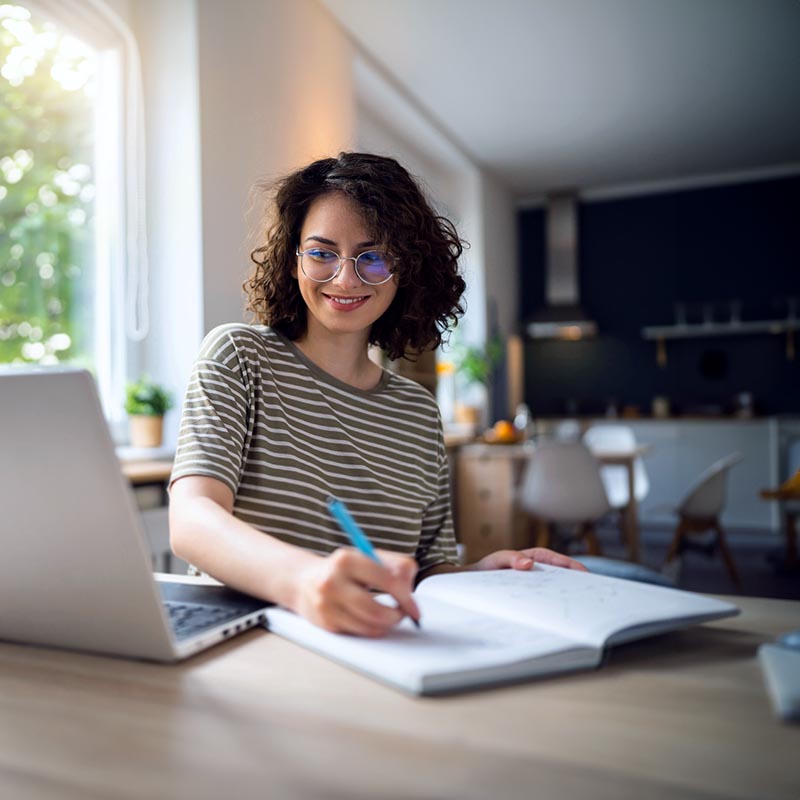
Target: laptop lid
75, 568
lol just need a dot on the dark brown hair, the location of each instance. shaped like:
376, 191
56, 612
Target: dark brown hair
425, 247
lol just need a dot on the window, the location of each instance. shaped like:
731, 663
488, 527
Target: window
64, 204
47, 193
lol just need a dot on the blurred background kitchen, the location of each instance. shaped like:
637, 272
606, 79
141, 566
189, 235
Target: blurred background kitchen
627, 173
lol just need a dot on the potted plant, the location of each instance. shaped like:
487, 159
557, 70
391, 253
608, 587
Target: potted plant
474, 365
146, 402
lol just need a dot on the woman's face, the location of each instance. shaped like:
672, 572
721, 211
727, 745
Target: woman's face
345, 304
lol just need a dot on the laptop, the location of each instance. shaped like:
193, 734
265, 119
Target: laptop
75, 568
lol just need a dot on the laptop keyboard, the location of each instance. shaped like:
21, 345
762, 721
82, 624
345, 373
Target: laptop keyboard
188, 619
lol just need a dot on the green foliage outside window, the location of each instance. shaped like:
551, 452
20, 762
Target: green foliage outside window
46, 192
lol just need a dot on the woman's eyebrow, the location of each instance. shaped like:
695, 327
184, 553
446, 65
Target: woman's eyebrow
323, 240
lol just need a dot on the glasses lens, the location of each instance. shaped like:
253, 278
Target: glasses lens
318, 264
374, 266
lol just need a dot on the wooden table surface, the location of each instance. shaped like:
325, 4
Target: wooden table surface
684, 715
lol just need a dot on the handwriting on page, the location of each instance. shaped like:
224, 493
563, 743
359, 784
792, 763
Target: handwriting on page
560, 600
567, 599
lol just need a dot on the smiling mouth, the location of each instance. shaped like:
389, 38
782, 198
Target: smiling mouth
346, 301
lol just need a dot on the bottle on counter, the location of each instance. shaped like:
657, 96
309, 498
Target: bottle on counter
522, 421
660, 406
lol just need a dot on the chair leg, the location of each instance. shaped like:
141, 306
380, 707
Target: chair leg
726, 555
791, 538
592, 542
677, 541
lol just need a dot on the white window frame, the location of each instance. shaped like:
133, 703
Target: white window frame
109, 345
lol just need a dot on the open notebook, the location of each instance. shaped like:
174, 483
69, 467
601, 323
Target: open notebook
484, 628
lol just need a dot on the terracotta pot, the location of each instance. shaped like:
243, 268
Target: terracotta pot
146, 431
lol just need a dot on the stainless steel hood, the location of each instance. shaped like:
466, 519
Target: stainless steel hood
562, 317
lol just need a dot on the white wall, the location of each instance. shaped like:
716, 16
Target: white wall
500, 271
167, 36
275, 93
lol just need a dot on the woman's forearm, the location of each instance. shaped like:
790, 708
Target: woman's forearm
207, 535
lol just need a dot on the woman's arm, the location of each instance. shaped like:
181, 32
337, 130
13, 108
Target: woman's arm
333, 592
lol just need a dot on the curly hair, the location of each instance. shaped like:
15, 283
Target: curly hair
424, 245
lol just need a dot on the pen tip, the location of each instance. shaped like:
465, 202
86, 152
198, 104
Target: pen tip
416, 623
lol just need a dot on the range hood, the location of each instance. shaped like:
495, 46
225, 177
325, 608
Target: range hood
562, 317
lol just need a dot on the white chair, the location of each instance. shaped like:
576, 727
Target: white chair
618, 439
567, 430
700, 510
561, 484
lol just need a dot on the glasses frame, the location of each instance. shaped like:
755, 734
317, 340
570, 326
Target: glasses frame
301, 253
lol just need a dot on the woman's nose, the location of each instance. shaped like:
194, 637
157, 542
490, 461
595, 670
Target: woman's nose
347, 276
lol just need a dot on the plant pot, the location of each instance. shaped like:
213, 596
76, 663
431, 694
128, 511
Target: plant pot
146, 431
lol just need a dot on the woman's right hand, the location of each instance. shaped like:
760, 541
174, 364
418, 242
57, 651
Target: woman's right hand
334, 592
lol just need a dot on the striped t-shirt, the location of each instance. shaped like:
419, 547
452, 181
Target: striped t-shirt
284, 436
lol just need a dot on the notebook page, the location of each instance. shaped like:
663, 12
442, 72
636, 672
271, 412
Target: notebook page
450, 641
588, 607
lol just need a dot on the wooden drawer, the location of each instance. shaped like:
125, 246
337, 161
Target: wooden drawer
485, 497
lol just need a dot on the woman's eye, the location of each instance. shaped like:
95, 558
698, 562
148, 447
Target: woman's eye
322, 255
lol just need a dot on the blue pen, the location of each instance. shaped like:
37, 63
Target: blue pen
357, 537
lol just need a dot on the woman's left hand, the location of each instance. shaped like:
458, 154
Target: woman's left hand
525, 559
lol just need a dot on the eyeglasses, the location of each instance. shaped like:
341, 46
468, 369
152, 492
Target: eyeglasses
319, 265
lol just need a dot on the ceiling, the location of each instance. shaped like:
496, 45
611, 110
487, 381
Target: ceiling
596, 94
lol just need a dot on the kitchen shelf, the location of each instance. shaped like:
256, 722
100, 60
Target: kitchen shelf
702, 329
660, 333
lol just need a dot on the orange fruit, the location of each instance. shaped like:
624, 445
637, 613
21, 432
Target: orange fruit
504, 431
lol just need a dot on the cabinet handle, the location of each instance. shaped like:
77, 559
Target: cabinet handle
486, 530
484, 494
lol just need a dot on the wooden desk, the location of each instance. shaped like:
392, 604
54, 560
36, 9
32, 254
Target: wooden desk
488, 478
684, 715
154, 472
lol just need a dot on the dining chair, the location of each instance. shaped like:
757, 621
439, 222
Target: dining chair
699, 512
567, 430
561, 486
618, 439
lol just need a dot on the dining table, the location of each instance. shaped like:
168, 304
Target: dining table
488, 477
630, 511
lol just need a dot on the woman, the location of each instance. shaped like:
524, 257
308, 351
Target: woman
280, 416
